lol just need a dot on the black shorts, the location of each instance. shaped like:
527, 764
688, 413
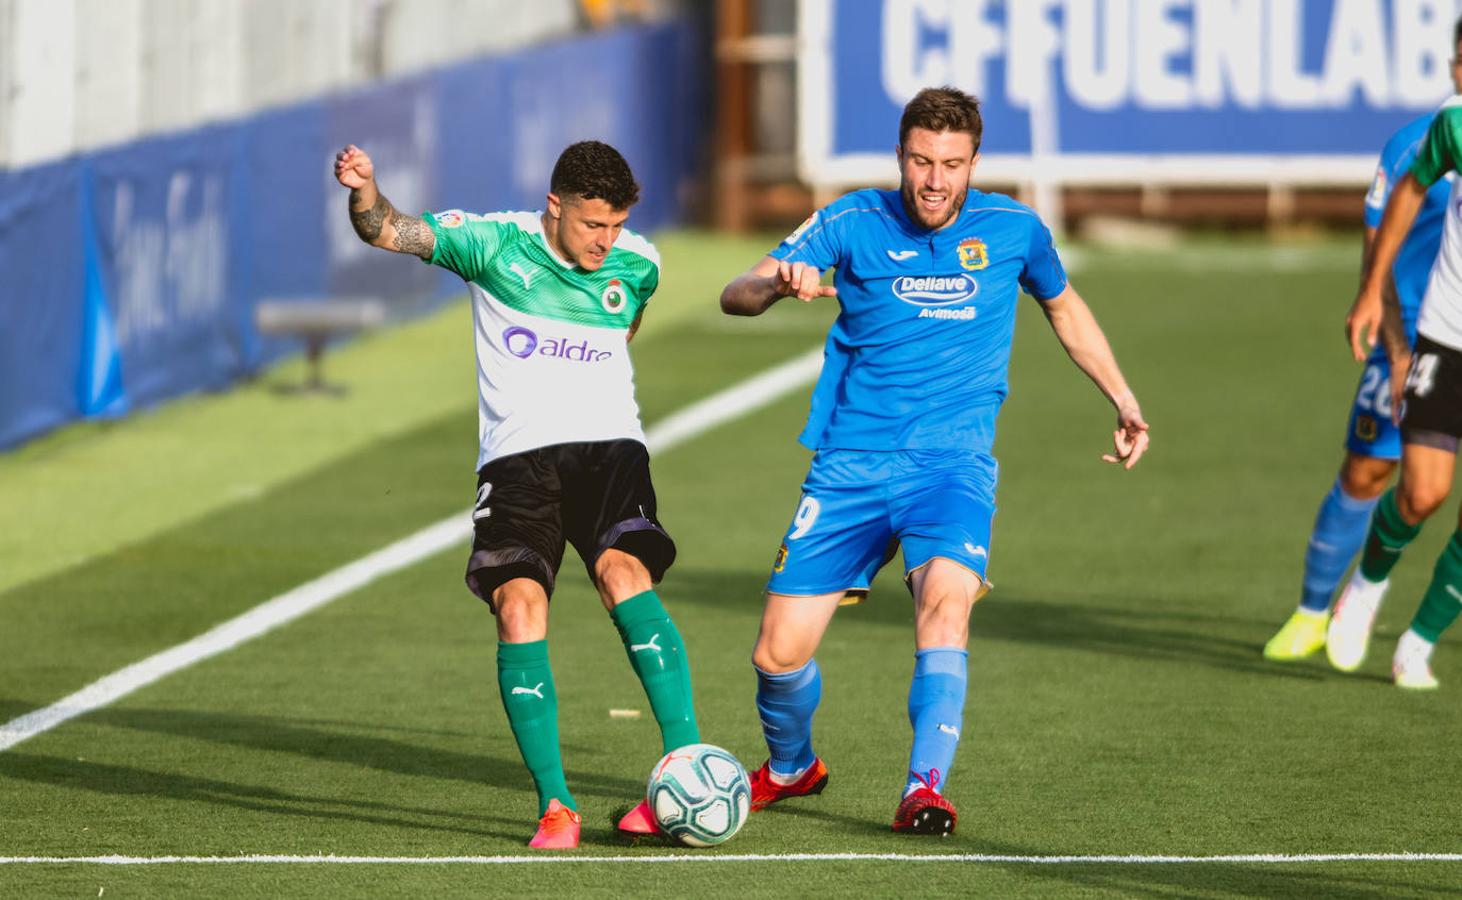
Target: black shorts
593, 495
1432, 415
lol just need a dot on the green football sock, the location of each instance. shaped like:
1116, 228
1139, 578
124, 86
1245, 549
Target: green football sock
526, 682
1443, 598
1388, 536
658, 657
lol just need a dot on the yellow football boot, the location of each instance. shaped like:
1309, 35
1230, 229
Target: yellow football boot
1303, 635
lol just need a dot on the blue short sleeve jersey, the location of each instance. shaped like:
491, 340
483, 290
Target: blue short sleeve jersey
918, 356
1414, 261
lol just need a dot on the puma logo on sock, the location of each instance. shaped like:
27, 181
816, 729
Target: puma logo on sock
648, 645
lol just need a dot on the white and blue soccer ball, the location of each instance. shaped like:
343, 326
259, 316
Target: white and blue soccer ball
700, 794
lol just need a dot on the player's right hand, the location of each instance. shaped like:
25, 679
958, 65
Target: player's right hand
353, 168
797, 279
1363, 320
1130, 440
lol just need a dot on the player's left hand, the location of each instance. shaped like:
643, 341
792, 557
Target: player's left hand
1130, 439
1362, 323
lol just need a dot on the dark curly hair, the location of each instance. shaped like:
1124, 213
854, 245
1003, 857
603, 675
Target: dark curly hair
593, 170
943, 109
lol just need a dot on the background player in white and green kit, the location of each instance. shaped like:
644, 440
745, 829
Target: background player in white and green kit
1427, 385
556, 297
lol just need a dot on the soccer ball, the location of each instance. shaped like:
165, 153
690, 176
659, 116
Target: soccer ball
700, 794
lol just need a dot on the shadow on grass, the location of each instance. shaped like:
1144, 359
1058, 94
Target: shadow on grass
1336, 881
129, 781
1095, 624
346, 745
303, 738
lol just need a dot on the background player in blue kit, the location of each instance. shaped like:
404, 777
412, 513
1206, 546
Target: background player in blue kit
903, 423
1372, 438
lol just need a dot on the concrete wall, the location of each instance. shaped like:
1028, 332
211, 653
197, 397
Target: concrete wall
79, 74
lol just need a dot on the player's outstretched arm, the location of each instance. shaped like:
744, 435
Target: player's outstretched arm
755, 290
375, 220
1077, 330
1364, 319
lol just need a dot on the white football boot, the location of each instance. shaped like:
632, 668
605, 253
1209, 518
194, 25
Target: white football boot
1350, 625
1411, 666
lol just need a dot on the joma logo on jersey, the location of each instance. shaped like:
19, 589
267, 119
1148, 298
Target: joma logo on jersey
935, 290
523, 343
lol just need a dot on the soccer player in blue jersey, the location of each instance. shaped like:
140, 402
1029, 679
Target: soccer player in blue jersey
1426, 389
903, 422
1373, 439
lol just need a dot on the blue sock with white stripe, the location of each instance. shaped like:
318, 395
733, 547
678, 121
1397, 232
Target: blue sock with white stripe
1340, 530
786, 701
936, 710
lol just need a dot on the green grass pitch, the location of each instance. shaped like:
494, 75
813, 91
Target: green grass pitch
1118, 701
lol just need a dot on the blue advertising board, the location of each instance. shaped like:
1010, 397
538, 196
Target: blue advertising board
130, 275
1128, 90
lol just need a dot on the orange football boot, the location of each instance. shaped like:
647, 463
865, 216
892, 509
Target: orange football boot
558, 829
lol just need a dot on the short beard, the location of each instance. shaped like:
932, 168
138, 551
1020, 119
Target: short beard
916, 214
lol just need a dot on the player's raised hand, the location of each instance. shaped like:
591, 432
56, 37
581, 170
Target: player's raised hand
1130, 439
353, 168
797, 279
1362, 322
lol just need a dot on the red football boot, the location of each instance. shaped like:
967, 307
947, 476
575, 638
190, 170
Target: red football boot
640, 820
765, 791
925, 811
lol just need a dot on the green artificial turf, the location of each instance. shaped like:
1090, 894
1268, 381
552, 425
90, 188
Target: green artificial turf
1118, 701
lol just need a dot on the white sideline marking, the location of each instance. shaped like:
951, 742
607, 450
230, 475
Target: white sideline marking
1102, 859
681, 426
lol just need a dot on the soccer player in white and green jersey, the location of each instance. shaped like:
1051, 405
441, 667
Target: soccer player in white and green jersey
1427, 386
556, 297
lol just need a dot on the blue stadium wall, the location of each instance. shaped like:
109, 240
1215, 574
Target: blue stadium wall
130, 275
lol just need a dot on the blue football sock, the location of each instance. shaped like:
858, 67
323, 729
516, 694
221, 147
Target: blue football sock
786, 702
936, 710
1340, 530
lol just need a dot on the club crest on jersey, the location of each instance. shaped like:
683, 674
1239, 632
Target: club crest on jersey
1365, 428
614, 297
972, 254
780, 562
449, 219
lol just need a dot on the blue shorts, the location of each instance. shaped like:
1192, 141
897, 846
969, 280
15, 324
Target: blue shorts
1370, 431
857, 506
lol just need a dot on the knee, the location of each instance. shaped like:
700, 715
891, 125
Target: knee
775, 655
1417, 500
943, 618
1364, 478
620, 576
522, 611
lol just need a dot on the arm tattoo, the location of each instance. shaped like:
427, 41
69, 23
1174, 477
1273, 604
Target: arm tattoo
1393, 331
368, 222
412, 235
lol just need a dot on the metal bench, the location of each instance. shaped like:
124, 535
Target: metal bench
317, 321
